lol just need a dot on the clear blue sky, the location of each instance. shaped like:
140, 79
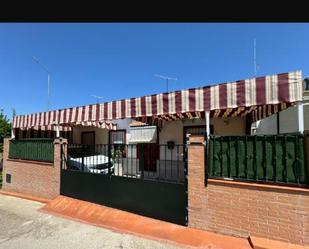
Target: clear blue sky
119, 60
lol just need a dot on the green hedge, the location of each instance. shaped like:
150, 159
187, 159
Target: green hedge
32, 149
270, 158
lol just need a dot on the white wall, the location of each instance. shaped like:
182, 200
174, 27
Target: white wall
101, 135
267, 126
124, 124
171, 131
235, 126
287, 122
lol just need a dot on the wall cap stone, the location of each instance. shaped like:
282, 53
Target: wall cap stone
196, 139
30, 161
262, 186
60, 141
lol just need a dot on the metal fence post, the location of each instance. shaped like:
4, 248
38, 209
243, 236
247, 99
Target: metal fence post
83, 153
61, 156
109, 158
206, 165
142, 161
297, 158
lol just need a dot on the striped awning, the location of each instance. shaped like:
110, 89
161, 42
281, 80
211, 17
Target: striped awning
68, 127
239, 95
99, 124
48, 128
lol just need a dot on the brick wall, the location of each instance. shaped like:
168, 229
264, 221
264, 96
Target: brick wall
243, 209
37, 179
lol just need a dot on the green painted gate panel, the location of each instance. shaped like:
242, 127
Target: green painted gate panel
159, 200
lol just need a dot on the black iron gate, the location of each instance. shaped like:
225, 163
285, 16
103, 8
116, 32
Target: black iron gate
114, 176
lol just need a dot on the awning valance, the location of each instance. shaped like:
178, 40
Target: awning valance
48, 128
68, 127
260, 91
98, 124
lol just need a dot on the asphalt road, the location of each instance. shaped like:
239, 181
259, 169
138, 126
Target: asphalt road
23, 227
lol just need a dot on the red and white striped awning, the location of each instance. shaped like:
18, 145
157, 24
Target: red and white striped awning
48, 128
242, 94
103, 124
68, 127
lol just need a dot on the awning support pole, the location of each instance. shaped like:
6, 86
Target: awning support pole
300, 117
207, 118
57, 131
12, 133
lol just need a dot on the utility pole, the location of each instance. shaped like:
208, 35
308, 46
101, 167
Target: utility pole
165, 78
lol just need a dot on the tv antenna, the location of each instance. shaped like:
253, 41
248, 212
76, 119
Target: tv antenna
36, 60
167, 78
254, 57
97, 97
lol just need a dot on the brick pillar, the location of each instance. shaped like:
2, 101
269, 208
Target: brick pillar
58, 142
57, 150
196, 175
6, 148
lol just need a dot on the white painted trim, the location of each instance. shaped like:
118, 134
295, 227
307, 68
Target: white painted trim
207, 118
57, 131
300, 117
12, 133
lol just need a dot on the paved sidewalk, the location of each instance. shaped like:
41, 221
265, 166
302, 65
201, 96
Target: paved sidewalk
23, 227
126, 222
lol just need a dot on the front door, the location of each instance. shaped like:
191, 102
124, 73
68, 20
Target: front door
150, 154
88, 138
88, 142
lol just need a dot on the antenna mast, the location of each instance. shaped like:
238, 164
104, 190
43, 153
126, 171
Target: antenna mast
165, 78
97, 97
254, 56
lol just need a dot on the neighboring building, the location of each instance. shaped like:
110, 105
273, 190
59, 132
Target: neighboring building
285, 121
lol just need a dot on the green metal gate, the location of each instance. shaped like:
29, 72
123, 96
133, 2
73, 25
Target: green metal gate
159, 193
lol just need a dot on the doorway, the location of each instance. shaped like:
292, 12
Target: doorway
88, 137
150, 152
88, 142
